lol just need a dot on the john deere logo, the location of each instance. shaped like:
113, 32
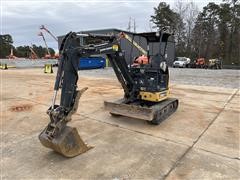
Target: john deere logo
115, 47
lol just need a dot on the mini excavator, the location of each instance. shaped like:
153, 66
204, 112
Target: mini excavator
145, 85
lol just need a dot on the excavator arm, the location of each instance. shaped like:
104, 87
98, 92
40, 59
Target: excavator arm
57, 135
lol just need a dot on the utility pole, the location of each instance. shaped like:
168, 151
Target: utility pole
129, 25
134, 26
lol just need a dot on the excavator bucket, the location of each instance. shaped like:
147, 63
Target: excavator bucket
62, 138
67, 142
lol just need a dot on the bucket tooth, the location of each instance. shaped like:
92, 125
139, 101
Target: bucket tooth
67, 142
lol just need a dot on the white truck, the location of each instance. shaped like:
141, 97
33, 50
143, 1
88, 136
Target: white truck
181, 62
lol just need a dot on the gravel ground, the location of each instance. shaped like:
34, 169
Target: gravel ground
205, 77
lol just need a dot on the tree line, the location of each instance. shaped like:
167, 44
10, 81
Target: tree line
213, 32
6, 44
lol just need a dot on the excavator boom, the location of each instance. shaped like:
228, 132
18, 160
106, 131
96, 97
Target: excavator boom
57, 135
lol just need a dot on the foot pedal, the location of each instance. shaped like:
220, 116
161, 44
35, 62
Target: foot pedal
67, 142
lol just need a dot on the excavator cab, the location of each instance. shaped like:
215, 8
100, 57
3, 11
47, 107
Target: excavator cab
154, 66
150, 75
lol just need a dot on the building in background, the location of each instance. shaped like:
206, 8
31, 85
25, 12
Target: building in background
130, 51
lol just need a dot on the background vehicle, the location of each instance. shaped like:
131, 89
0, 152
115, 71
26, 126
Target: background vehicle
11, 55
48, 55
201, 63
215, 64
181, 62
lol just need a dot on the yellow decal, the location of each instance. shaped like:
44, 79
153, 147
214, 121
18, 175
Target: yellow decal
115, 47
154, 96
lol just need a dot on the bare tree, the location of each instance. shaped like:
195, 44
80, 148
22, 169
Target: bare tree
180, 8
188, 13
190, 17
150, 26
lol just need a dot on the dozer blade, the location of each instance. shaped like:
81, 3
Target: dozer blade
130, 110
155, 113
67, 142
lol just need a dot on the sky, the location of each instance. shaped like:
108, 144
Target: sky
22, 18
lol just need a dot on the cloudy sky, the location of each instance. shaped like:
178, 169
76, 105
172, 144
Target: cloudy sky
22, 18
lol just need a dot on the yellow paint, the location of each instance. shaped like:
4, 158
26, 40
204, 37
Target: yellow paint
48, 68
115, 47
11, 66
106, 62
135, 44
154, 96
5, 66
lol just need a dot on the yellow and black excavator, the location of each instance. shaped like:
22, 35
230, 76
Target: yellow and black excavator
146, 87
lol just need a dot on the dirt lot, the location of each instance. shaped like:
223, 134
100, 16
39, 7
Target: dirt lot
200, 141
